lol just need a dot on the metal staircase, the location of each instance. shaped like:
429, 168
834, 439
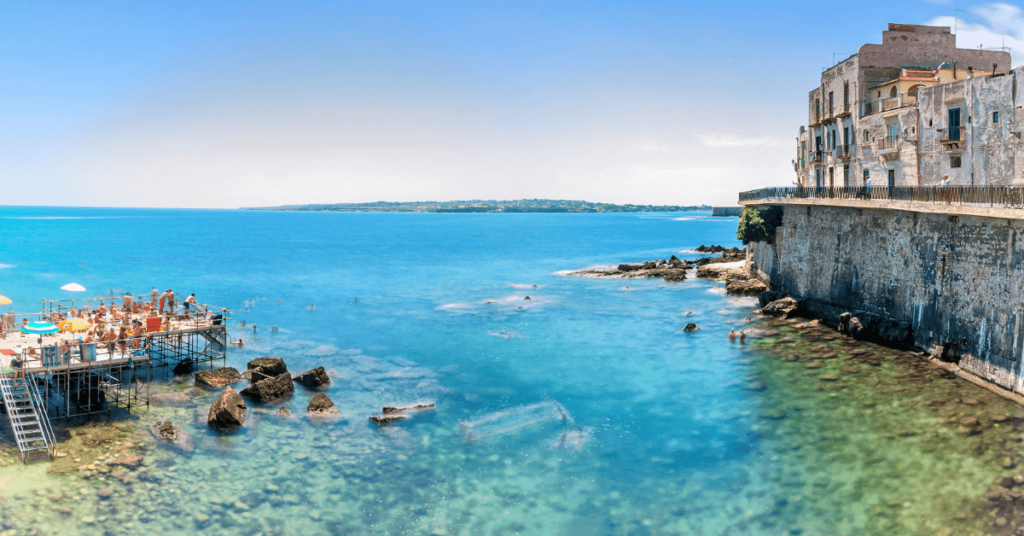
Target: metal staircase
27, 412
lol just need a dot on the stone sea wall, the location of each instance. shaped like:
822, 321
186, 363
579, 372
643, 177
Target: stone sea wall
952, 285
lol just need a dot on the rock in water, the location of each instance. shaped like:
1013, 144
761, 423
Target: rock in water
172, 433
228, 411
691, 327
783, 307
218, 377
748, 287
387, 419
272, 366
283, 412
185, 367
414, 407
257, 375
270, 389
314, 379
321, 405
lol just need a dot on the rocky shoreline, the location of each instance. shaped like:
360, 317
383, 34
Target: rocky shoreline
672, 269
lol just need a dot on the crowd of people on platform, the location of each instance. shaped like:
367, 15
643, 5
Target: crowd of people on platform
121, 324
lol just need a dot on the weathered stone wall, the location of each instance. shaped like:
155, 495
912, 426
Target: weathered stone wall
989, 152
955, 281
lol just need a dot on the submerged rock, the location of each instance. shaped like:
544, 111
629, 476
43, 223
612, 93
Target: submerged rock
270, 389
321, 405
218, 377
228, 411
313, 379
691, 327
175, 437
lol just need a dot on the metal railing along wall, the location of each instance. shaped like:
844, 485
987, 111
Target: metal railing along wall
993, 196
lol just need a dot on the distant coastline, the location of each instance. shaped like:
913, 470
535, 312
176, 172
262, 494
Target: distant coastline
521, 205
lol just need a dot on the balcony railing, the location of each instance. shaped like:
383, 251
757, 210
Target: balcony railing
845, 151
888, 143
903, 100
817, 156
991, 196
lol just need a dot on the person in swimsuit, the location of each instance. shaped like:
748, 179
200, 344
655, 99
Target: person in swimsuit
163, 301
170, 302
18, 365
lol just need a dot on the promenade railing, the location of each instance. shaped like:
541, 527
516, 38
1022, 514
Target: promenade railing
991, 196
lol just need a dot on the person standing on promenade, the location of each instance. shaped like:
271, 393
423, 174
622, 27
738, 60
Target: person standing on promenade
126, 304
163, 301
170, 302
103, 309
153, 297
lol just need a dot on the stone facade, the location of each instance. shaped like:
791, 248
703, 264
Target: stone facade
864, 119
987, 149
951, 283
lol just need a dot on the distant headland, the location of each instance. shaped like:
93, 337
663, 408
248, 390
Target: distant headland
520, 205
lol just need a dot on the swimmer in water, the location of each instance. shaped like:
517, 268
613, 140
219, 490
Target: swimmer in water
732, 335
743, 336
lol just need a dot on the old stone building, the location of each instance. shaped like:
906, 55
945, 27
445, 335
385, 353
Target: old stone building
971, 131
864, 120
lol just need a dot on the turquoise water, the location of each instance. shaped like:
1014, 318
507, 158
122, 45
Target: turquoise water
584, 410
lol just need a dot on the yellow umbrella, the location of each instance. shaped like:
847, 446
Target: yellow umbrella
4, 300
74, 324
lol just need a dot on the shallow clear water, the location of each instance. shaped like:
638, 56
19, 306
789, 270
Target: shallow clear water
584, 410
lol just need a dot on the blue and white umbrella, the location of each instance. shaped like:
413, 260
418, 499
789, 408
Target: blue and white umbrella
40, 328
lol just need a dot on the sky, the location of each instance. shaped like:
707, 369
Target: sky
230, 104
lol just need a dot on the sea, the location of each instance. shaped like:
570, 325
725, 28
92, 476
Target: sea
563, 405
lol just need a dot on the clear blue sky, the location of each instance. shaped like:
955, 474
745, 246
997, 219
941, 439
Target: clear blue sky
222, 104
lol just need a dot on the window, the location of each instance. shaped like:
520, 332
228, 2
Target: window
954, 161
954, 124
867, 175
995, 117
846, 94
866, 139
817, 107
929, 123
892, 92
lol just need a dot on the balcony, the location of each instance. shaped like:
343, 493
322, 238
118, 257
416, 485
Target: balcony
903, 100
954, 138
844, 110
845, 152
817, 157
889, 146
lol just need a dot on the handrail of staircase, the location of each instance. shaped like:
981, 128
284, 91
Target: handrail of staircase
44, 420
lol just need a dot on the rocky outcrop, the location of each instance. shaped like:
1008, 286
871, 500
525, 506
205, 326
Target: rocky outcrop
314, 379
173, 436
271, 366
671, 270
745, 287
269, 389
717, 249
228, 411
218, 377
691, 327
321, 405
782, 308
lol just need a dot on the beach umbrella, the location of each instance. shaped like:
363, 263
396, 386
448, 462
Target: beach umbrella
4, 300
73, 288
40, 328
74, 324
